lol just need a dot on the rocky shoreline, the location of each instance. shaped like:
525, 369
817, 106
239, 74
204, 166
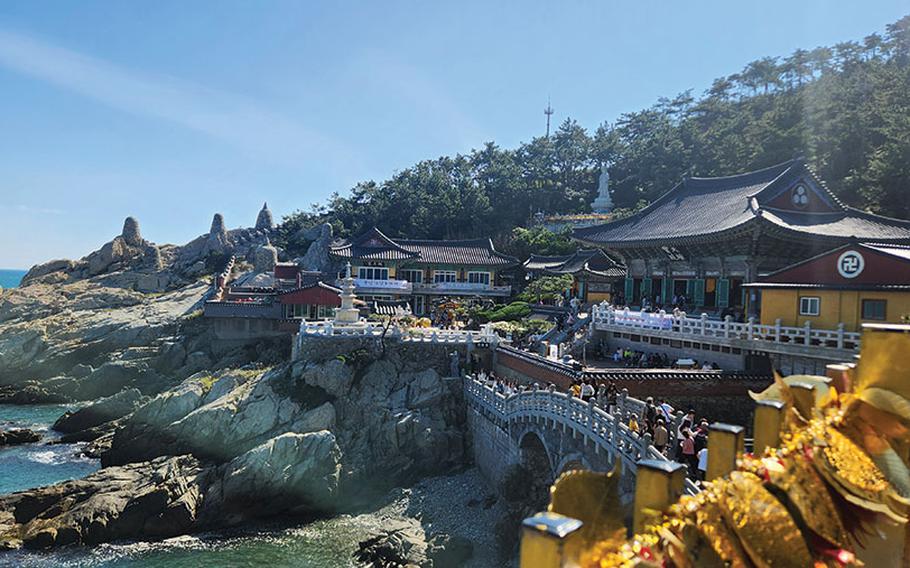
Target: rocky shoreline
196, 434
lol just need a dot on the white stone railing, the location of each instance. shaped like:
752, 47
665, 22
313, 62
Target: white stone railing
477, 287
607, 317
557, 410
411, 334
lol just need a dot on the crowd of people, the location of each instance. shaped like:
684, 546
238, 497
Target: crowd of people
686, 443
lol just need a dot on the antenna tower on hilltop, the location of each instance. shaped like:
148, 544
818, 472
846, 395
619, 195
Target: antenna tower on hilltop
549, 112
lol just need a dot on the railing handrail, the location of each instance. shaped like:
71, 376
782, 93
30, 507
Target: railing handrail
606, 429
368, 329
704, 327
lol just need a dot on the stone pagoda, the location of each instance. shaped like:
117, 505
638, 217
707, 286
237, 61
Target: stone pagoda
347, 314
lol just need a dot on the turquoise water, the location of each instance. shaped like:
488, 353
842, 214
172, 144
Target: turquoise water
325, 543
10, 278
322, 543
34, 465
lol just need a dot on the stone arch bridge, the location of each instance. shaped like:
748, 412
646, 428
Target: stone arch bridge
551, 432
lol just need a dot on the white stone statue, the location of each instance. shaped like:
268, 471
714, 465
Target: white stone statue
603, 203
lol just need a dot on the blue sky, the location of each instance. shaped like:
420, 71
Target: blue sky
172, 111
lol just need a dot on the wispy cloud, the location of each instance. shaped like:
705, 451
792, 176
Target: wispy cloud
410, 83
31, 210
226, 117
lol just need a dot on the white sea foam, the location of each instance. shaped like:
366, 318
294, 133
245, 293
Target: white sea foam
48, 457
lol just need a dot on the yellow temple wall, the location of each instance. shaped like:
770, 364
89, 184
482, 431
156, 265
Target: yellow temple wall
836, 306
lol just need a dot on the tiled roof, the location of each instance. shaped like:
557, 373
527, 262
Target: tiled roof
593, 261
696, 206
540, 262
374, 245
308, 285
465, 252
850, 223
700, 207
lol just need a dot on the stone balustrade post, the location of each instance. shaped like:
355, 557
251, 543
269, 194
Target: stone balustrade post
614, 435
644, 442
803, 398
840, 335
550, 540
591, 414
727, 321
749, 328
777, 330
725, 441
704, 323
658, 484
621, 405
769, 416
808, 332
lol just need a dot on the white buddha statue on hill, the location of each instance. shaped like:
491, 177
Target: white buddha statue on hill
603, 203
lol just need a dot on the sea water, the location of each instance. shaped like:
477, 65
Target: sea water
10, 278
320, 543
33, 465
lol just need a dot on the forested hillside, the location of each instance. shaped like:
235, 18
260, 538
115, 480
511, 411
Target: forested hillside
846, 108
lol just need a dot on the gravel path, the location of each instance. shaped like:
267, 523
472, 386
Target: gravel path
459, 504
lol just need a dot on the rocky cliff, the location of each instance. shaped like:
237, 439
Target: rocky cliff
121, 317
224, 447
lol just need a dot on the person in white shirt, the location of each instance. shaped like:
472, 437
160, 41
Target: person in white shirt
587, 390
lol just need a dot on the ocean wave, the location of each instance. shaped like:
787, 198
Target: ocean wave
58, 455
47, 457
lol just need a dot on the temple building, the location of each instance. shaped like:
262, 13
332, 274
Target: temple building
852, 284
422, 271
595, 276
707, 237
264, 305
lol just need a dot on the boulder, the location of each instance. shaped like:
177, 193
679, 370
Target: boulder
157, 499
104, 410
40, 270
447, 551
426, 389
317, 255
334, 377
18, 436
112, 251
402, 543
131, 234
288, 472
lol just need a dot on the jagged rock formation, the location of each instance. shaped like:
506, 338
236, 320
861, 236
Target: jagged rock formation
250, 443
18, 436
264, 221
317, 255
126, 252
131, 234
86, 340
217, 240
130, 261
104, 410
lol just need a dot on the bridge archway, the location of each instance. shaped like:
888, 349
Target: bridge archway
533, 454
573, 461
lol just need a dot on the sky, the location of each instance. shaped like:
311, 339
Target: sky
171, 111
